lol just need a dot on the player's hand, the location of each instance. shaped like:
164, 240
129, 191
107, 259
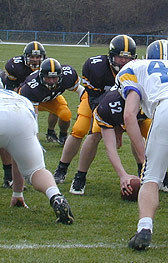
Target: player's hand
18, 202
125, 184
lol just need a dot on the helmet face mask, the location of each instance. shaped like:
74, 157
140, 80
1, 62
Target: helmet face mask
50, 82
120, 61
34, 53
50, 73
157, 50
121, 46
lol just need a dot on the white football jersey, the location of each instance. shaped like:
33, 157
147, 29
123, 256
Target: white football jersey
149, 78
9, 98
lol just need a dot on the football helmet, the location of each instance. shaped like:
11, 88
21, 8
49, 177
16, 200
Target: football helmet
34, 53
50, 73
121, 46
157, 50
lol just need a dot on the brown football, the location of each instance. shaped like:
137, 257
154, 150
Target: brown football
135, 184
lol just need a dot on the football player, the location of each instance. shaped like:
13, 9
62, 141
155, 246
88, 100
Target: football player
18, 68
109, 118
88, 151
145, 83
16, 71
159, 50
98, 76
45, 86
18, 131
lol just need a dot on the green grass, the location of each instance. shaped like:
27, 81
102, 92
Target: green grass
103, 222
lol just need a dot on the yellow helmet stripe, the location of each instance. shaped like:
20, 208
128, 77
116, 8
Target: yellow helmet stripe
161, 49
126, 43
52, 65
35, 46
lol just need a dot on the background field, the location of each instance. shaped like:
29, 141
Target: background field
103, 222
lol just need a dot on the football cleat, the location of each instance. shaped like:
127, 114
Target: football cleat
7, 184
51, 136
62, 209
141, 240
78, 185
61, 140
60, 174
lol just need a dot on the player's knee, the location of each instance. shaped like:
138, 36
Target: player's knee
78, 132
96, 137
65, 115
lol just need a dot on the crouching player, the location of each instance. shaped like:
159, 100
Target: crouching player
18, 129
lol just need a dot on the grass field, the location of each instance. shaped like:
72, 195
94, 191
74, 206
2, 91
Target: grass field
103, 222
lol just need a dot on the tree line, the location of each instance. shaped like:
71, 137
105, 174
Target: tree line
107, 16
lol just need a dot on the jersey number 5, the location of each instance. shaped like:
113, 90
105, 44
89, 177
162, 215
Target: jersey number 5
115, 107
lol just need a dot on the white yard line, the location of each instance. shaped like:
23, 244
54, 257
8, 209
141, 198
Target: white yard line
66, 246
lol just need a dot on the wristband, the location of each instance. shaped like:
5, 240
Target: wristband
17, 194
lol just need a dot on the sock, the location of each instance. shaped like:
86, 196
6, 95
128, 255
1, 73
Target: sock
81, 174
63, 134
50, 131
145, 222
63, 166
139, 169
53, 190
7, 172
165, 181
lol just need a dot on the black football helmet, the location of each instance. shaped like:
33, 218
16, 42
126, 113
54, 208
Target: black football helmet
157, 50
34, 53
121, 46
50, 68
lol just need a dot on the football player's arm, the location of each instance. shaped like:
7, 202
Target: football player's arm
109, 138
11, 84
78, 88
131, 110
11, 81
18, 184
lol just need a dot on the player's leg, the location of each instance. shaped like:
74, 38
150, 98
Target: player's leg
87, 155
73, 142
52, 121
7, 167
71, 147
59, 108
144, 126
30, 162
154, 170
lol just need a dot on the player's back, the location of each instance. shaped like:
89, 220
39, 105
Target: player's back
9, 98
149, 78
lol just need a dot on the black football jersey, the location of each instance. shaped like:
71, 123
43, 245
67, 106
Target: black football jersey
34, 90
109, 112
97, 77
16, 71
